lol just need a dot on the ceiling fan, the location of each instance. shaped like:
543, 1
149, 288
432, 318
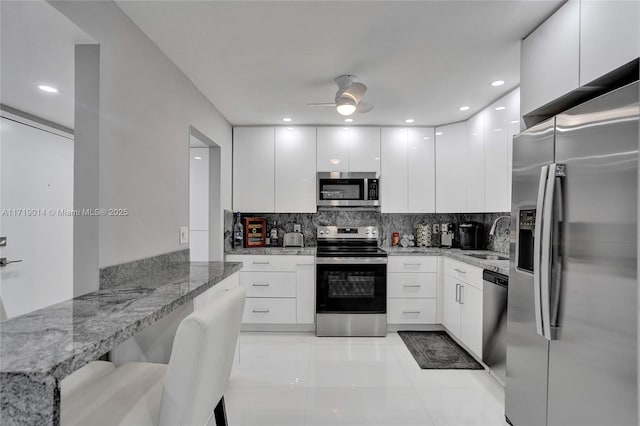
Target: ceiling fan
349, 96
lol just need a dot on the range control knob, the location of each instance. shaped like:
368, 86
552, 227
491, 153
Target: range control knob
321, 232
374, 231
368, 231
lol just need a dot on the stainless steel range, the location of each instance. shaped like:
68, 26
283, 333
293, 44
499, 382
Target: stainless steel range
351, 282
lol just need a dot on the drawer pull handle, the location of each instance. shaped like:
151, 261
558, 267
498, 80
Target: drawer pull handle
411, 264
411, 285
260, 263
260, 285
260, 311
462, 271
410, 312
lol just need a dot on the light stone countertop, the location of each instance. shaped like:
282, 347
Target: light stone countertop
500, 266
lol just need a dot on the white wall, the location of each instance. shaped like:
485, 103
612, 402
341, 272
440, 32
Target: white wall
146, 107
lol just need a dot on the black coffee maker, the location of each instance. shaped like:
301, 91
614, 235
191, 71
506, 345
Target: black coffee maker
471, 236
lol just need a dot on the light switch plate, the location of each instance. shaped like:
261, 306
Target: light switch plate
184, 234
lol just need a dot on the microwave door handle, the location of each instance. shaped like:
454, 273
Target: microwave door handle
537, 246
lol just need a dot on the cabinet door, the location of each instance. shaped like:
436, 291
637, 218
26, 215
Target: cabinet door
295, 170
333, 149
451, 317
393, 176
471, 324
609, 36
305, 300
451, 178
364, 149
550, 58
496, 153
475, 163
513, 116
253, 169
421, 179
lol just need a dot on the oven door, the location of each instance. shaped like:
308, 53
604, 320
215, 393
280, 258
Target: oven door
356, 285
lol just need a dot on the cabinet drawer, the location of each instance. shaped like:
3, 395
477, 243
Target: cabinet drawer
413, 285
413, 264
412, 311
275, 263
269, 284
464, 272
269, 311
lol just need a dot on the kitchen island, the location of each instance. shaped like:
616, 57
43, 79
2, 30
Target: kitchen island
39, 349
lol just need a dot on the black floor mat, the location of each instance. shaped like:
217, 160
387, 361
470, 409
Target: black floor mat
435, 350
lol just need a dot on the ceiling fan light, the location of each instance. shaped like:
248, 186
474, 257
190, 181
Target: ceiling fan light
345, 106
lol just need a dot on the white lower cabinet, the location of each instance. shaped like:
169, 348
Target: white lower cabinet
412, 283
280, 288
463, 303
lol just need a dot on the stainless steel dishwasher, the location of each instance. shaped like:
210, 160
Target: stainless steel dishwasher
494, 322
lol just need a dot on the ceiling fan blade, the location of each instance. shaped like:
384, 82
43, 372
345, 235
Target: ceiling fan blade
355, 91
322, 104
364, 107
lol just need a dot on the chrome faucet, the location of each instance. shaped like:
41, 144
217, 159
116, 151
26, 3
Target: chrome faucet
493, 227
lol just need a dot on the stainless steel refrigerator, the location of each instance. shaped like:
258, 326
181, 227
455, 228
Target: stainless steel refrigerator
572, 304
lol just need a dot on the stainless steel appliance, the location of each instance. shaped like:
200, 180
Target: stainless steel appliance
293, 239
494, 322
572, 305
340, 189
447, 235
471, 236
351, 282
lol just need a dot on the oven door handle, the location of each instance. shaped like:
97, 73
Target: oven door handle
351, 260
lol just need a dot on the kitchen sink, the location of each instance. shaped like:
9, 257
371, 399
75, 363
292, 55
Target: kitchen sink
487, 256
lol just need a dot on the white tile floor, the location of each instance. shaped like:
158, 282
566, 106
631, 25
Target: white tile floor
298, 379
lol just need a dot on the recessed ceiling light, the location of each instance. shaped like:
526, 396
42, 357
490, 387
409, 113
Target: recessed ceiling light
439, 133
464, 108
409, 120
47, 89
497, 130
426, 138
497, 83
335, 161
348, 120
377, 158
515, 121
286, 119
290, 128
197, 157
500, 108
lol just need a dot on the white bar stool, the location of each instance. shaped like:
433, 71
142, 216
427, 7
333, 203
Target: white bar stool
184, 392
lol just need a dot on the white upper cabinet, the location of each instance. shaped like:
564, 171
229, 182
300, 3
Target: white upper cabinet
364, 149
333, 149
609, 36
408, 170
421, 165
475, 163
295, 170
393, 176
348, 149
549, 65
253, 169
451, 190
496, 157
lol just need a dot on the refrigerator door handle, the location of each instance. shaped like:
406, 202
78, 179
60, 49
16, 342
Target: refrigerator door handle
545, 253
537, 246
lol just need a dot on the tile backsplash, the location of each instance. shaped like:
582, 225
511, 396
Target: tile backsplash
388, 222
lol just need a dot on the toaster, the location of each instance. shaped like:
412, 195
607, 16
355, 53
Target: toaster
293, 239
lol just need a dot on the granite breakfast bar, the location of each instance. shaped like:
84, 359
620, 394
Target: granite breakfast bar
39, 349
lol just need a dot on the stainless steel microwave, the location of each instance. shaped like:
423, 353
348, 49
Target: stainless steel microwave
341, 189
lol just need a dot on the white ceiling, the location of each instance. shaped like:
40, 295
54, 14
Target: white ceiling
260, 61
37, 47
